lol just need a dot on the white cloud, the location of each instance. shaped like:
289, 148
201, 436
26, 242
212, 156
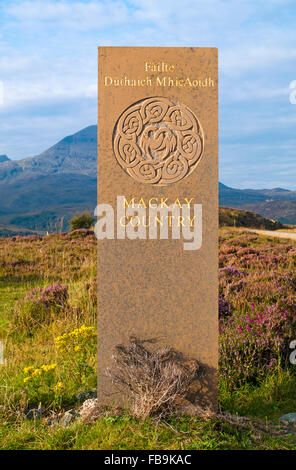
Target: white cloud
48, 61
68, 14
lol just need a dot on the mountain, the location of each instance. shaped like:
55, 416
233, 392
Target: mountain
237, 197
282, 210
278, 193
45, 191
277, 203
11, 231
241, 197
75, 154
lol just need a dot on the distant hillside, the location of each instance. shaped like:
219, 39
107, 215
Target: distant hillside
6, 232
242, 197
242, 218
44, 202
278, 204
282, 210
231, 197
45, 191
75, 154
275, 193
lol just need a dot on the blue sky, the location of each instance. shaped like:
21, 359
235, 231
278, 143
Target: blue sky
48, 67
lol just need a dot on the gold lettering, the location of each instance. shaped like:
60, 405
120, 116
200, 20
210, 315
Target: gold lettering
153, 205
142, 203
178, 203
131, 203
180, 221
108, 81
137, 218
160, 81
188, 201
159, 67
120, 221
191, 220
170, 217
163, 202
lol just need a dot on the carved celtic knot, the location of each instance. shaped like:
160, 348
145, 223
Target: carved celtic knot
157, 141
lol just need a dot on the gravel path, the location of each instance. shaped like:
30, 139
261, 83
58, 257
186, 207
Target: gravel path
271, 233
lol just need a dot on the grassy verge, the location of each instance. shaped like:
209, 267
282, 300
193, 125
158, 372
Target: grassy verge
125, 433
268, 267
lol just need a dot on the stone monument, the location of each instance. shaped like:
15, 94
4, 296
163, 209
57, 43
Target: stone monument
158, 204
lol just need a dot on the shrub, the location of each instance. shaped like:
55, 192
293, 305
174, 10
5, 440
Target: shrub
39, 307
156, 380
253, 344
224, 307
257, 281
84, 221
51, 296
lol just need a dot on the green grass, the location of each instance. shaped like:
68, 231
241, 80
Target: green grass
25, 264
272, 398
126, 433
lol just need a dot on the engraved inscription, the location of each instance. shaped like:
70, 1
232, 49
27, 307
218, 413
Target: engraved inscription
157, 141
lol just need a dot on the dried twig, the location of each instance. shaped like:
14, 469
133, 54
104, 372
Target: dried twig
156, 380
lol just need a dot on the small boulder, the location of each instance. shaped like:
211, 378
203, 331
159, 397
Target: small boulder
54, 419
91, 394
289, 418
68, 418
90, 410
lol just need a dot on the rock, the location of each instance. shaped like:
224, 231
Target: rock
90, 410
289, 418
88, 405
53, 420
81, 397
62, 419
35, 413
68, 418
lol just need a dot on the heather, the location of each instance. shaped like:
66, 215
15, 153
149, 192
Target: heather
257, 306
48, 302
42, 305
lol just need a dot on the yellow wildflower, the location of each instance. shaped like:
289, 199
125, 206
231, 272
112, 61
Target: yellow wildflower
37, 372
48, 367
59, 386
